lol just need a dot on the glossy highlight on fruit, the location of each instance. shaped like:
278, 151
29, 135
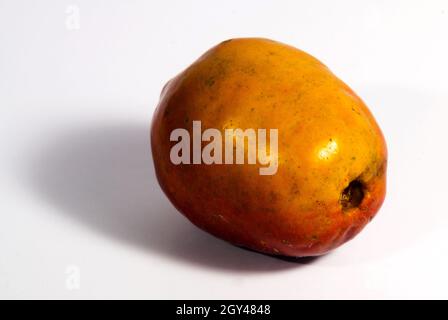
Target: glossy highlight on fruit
332, 157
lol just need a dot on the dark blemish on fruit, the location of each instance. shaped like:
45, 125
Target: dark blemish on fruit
273, 196
250, 70
319, 203
210, 81
352, 196
295, 188
381, 169
353, 158
356, 111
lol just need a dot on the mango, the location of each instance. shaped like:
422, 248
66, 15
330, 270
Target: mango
328, 166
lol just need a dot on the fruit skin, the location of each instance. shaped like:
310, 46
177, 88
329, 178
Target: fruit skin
327, 140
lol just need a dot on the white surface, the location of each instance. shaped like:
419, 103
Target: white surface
77, 185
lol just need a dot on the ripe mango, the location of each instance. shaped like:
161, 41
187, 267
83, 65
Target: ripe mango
332, 157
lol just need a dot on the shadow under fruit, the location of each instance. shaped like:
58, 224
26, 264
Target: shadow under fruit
332, 157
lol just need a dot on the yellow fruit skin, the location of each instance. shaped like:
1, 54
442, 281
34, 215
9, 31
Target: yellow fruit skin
327, 138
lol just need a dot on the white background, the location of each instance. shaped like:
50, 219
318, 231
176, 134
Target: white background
77, 186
